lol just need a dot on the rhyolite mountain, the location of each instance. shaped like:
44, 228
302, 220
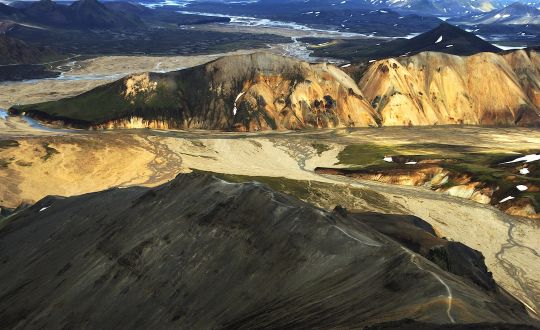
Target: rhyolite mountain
436, 88
262, 91
203, 253
245, 92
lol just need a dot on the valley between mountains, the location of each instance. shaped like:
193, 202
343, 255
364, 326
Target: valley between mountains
395, 188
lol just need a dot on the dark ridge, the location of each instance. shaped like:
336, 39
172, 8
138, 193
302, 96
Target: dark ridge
454, 41
200, 253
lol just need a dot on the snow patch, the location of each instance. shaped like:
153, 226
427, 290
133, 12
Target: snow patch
235, 109
507, 199
439, 40
43, 208
388, 159
524, 171
522, 187
525, 159
411, 163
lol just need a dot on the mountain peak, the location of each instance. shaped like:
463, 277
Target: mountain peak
448, 38
87, 4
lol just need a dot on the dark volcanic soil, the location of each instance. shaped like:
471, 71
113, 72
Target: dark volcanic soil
200, 253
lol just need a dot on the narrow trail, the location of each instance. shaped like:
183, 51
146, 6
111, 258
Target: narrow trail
449, 295
365, 242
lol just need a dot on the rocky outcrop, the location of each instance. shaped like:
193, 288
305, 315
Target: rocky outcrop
420, 237
439, 89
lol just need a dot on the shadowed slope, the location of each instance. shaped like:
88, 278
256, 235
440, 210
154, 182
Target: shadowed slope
200, 252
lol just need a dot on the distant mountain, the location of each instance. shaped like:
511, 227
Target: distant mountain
440, 7
445, 38
421, 7
200, 252
13, 51
7, 11
93, 14
48, 12
82, 14
516, 14
383, 22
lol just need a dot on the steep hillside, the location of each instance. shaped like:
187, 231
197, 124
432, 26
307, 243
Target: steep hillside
434, 88
200, 253
246, 92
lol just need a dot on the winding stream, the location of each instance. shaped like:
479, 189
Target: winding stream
5, 116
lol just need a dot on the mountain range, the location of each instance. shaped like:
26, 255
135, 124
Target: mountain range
93, 14
431, 7
80, 14
262, 91
515, 14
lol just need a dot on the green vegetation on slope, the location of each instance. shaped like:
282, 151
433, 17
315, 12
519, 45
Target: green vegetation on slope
479, 165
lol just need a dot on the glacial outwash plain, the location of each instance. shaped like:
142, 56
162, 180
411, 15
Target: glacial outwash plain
229, 165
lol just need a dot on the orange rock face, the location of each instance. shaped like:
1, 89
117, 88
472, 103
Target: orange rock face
435, 88
263, 91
